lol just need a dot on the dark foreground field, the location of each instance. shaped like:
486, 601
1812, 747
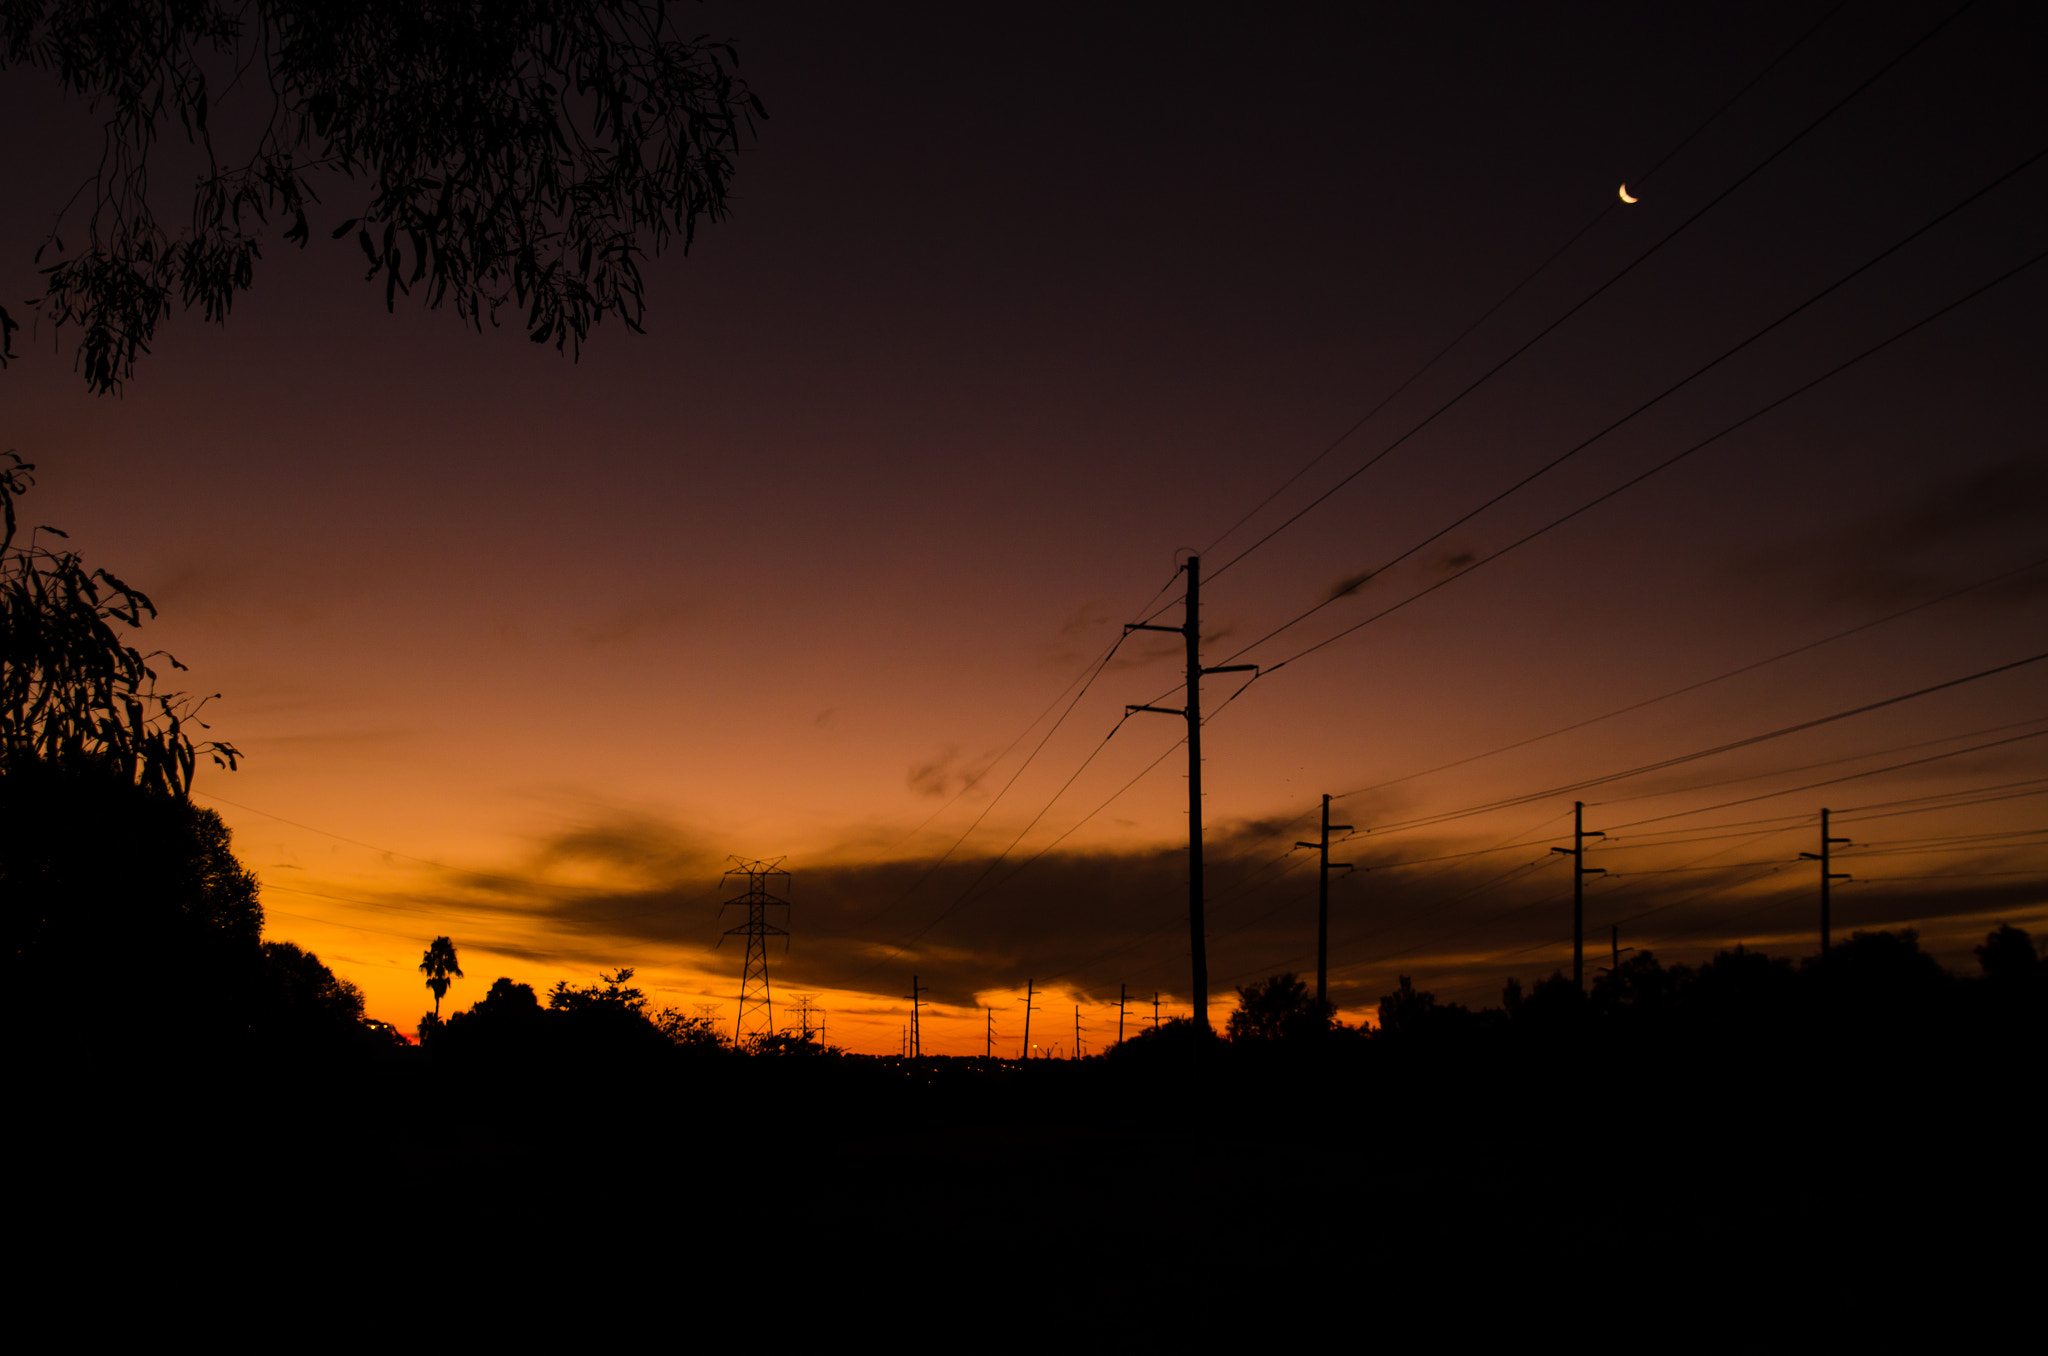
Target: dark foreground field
1765, 1187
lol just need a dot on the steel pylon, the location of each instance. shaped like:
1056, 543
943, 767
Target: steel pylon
757, 1006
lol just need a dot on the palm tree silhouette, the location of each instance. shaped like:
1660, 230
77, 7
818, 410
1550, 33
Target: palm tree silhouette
437, 965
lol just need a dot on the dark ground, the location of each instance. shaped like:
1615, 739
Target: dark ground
1768, 1190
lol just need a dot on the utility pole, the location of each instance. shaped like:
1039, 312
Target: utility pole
1155, 1009
1191, 631
1614, 943
1028, 990
757, 1008
1077, 1031
988, 1041
1322, 847
916, 995
1122, 998
1577, 852
1826, 876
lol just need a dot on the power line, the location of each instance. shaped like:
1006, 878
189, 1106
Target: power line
1666, 464
1955, 804
1038, 748
1484, 886
1627, 269
1705, 682
1669, 391
1825, 762
1697, 754
1854, 776
1530, 277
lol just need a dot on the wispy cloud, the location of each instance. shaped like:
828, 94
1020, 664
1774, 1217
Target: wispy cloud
1938, 539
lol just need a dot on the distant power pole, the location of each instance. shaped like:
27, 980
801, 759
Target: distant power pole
1028, 989
988, 1043
1322, 847
1577, 852
1122, 999
1826, 876
916, 995
1155, 1009
1614, 942
757, 1009
1191, 631
1077, 1031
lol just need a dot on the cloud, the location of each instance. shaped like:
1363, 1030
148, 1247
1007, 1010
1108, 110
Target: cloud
629, 622
631, 847
946, 775
1350, 584
1075, 640
1430, 568
1085, 923
1084, 619
1937, 540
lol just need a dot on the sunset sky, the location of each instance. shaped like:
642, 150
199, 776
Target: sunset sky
1012, 310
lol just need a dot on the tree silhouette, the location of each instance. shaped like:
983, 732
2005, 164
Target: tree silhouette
521, 155
2007, 955
614, 995
692, 1031
72, 691
101, 855
1279, 1007
1409, 1011
438, 964
110, 887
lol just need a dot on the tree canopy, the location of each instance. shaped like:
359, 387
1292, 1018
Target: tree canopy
524, 153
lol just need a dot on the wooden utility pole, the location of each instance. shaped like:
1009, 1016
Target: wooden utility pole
1077, 1031
1826, 876
1191, 631
1155, 1009
1122, 998
1616, 948
1322, 847
988, 1042
1029, 985
1577, 852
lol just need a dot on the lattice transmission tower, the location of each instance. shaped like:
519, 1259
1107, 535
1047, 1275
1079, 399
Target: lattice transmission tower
757, 1007
809, 1016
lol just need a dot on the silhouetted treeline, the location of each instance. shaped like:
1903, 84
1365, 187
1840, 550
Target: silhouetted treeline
608, 1021
1877, 989
133, 932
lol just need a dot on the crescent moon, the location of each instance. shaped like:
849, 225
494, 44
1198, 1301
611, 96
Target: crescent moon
1624, 194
